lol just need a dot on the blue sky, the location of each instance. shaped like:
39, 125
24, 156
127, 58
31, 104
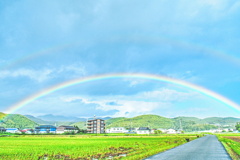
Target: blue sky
44, 43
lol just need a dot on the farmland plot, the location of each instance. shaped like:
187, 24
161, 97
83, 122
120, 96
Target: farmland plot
86, 147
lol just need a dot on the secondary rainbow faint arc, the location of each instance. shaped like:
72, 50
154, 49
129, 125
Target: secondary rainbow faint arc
69, 83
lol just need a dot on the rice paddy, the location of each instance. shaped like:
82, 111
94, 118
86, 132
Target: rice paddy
87, 147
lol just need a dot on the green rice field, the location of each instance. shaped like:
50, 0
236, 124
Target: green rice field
87, 147
232, 144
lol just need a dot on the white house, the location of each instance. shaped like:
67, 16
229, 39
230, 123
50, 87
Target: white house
116, 130
143, 130
64, 129
12, 130
171, 131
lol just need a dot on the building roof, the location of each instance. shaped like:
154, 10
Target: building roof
117, 127
96, 119
45, 126
143, 128
2, 129
68, 127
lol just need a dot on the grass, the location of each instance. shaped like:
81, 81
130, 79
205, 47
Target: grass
87, 147
231, 142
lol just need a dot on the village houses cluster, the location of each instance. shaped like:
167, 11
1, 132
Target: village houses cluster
95, 126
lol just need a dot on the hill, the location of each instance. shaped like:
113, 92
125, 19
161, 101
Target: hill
2, 115
112, 120
50, 117
192, 124
152, 121
37, 120
17, 121
222, 121
44, 122
193, 120
81, 125
185, 123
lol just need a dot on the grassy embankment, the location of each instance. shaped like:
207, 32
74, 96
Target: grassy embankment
87, 147
231, 142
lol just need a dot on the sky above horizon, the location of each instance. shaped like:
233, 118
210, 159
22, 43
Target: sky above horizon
44, 43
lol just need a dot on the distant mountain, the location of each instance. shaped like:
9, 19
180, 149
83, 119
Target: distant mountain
185, 123
112, 120
37, 120
222, 121
206, 122
105, 118
152, 121
50, 117
43, 122
189, 119
16, 121
192, 124
81, 125
2, 115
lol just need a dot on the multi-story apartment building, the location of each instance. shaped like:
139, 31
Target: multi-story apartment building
96, 126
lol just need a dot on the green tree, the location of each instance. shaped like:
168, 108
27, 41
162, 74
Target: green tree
158, 132
78, 130
238, 126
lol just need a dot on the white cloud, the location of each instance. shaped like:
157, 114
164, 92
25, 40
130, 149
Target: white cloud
124, 107
37, 75
132, 108
77, 69
135, 82
44, 74
141, 103
168, 95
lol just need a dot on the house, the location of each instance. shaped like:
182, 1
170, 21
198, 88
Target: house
131, 131
143, 130
2, 129
64, 129
96, 126
27, 131
116, 130
171, 131
45, 129
13, 130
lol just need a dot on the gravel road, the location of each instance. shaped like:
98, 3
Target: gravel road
205, 148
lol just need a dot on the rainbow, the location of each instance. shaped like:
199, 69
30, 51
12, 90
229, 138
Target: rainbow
69, 83
220, 54
35, 55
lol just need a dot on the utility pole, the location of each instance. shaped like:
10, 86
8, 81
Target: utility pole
180, 123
